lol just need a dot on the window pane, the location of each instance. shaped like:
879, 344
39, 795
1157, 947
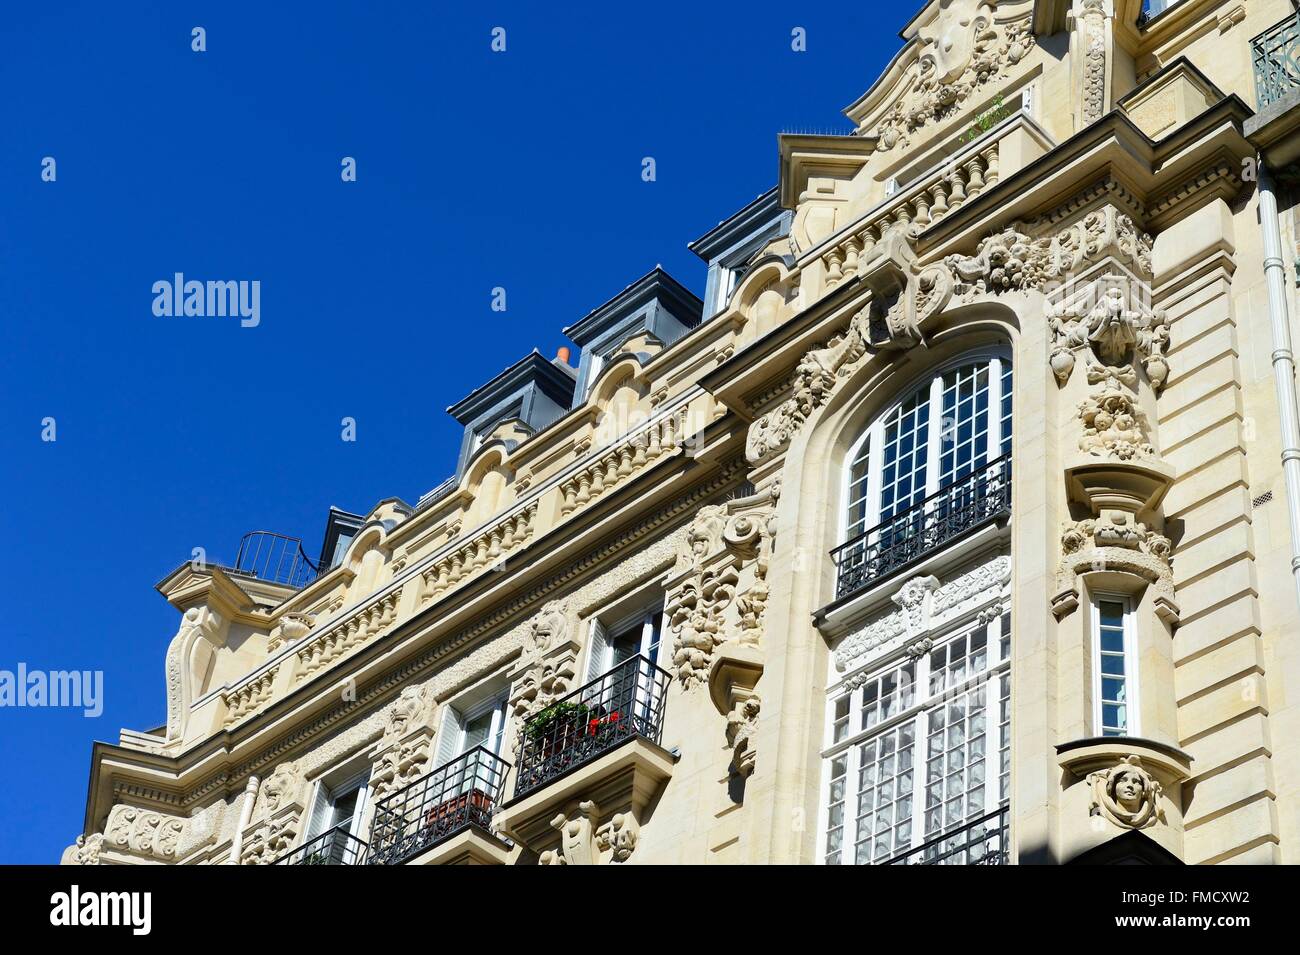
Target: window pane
903, 467
963, 442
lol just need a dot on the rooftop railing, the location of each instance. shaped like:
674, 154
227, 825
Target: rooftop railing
461, 794
625, 703
274, 558
335, 847
1275, 54
980, 498
981, 842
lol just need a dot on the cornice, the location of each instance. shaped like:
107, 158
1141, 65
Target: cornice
147, 785
1153, 176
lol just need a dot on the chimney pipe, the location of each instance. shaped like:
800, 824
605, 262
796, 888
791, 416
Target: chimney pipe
562, 354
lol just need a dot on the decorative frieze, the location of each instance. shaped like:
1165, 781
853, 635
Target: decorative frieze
925, 606
342, 638
142, 832
1013, 260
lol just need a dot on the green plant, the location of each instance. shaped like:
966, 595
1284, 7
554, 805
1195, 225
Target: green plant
546, 718
986, 120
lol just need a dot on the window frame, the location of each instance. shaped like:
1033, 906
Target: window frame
1132, 717
990, 681
349, 777
996, 361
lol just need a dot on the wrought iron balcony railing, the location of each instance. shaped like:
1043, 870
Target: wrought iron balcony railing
452, 798
625, 703
980, 498
982, 842
335, 847
275, 558
1276, 57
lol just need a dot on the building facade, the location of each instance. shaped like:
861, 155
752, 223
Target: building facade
930, 536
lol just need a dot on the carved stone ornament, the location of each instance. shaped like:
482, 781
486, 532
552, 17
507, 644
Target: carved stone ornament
144, 832
269, 841
718, 590
961, 52
903, 299
584, 841
404, 751
547, 668
293, 627
741, 724
1114, 426
1013, 260
1089, 19
1127, 794
1109, 322
85, 851
188, 657
1115, 541
924, 605
282, 788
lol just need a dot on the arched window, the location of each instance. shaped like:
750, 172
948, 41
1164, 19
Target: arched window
921, 474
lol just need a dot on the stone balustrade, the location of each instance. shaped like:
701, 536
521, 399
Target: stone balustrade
483, 550
339, 640
929, 200
622, 461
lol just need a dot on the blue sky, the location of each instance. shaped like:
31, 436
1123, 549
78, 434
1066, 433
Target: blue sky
475, 169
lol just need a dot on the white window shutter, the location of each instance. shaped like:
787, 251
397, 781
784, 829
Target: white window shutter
319, 811
599, 653
448, 737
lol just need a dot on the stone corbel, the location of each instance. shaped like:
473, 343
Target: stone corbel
584, 840
1117, 784
733, 677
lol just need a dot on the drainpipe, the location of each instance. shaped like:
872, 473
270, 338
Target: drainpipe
1283, 359
245, 817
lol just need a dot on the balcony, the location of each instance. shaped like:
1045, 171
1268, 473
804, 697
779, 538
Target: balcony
624, 704
1275, 54
335, 847
453, 804
982, 842
980, 499
591, 765
1275, 128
